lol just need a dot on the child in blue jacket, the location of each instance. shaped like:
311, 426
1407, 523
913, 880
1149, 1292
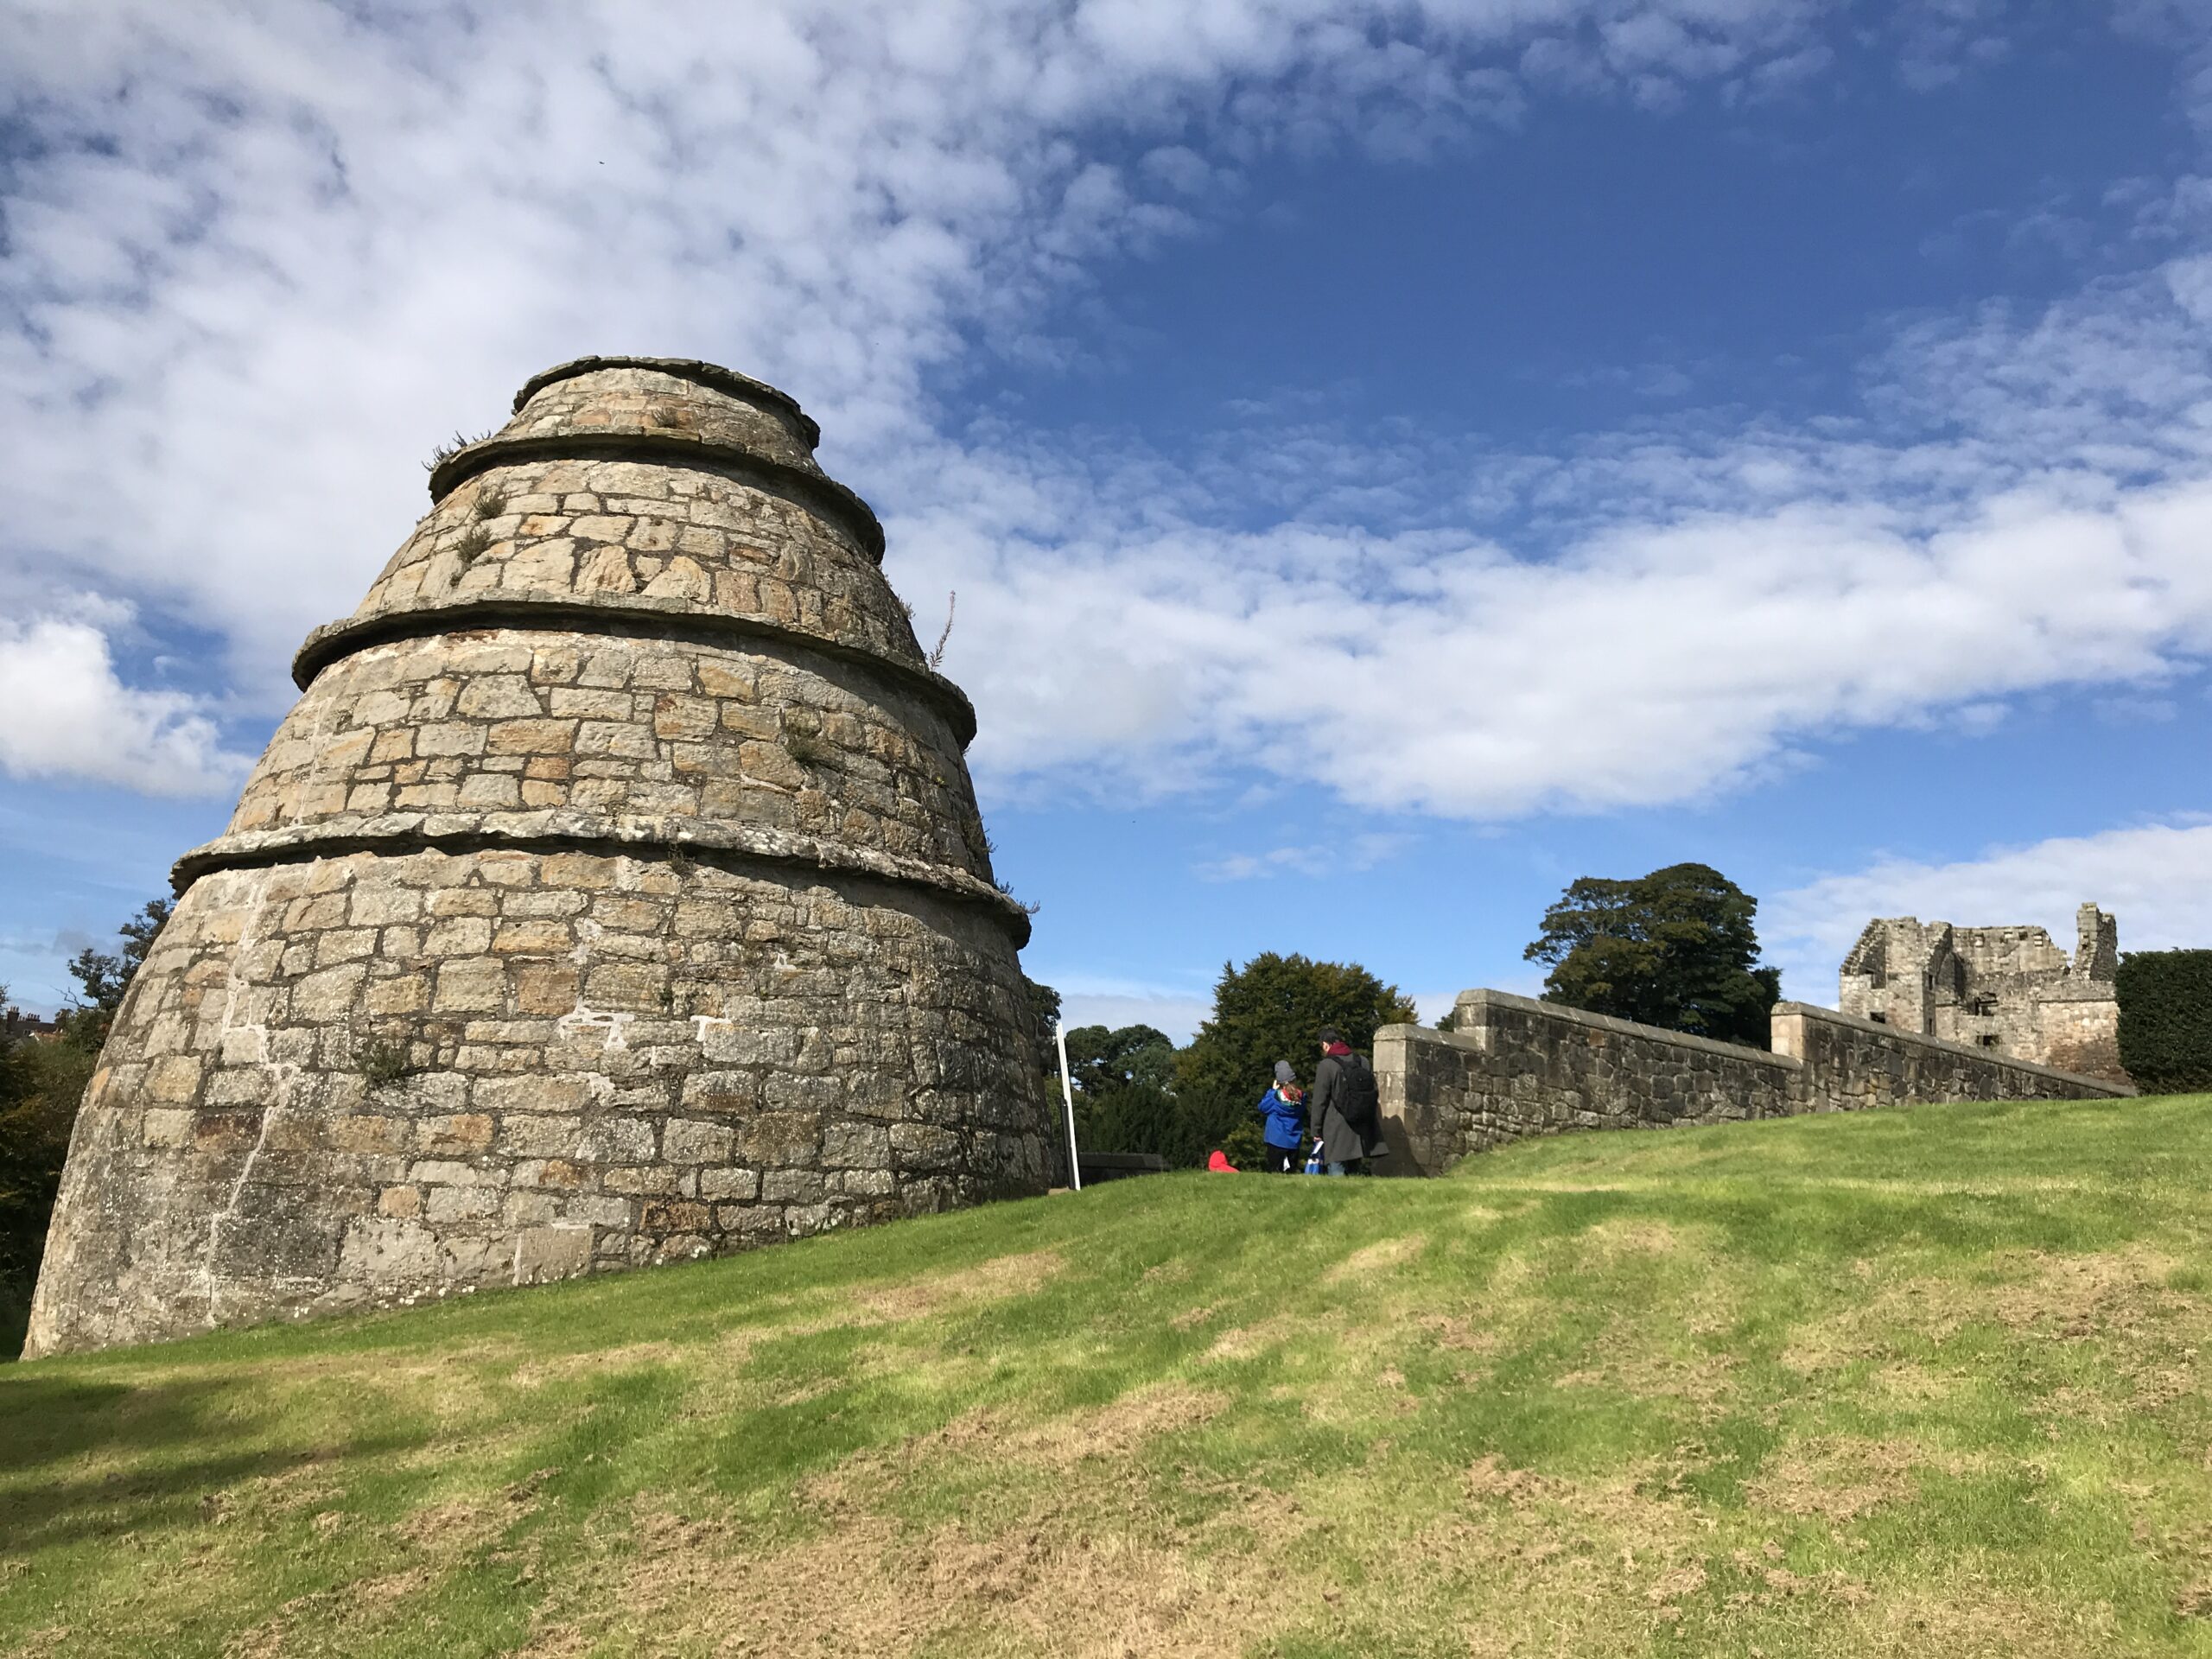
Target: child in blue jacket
1283, 1108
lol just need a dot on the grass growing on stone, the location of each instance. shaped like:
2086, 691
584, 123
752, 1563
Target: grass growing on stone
1911, 1383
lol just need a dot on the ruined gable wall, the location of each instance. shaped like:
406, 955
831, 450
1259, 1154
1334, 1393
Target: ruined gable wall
2008, 953
1887, 976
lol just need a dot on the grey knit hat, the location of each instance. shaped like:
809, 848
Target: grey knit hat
1283, 1073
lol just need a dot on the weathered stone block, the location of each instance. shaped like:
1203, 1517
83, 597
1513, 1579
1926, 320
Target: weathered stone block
603, 1212
166, 1126
558, 1251
685, 1141
464, 1133
729, 1184
639, 1181
470, 984
442, 1204
327, 996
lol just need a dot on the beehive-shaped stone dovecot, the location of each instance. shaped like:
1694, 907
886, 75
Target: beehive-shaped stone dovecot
615, 894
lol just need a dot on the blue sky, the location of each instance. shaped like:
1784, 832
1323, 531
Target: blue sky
1393, 460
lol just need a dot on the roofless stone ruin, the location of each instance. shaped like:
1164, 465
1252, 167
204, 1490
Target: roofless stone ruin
615, 894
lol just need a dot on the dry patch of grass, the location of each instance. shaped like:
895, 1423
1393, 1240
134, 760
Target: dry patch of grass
1371, 1260
918, 1298
1976, 1621
2064, 1298
1087, 1567
1838, 1478
554, 1367
1631, 1363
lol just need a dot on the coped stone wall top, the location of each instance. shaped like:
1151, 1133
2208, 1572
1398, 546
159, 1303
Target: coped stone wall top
659, 409
710, 375
662, 398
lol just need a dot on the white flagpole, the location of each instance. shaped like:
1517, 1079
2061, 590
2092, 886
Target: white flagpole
1067, 1096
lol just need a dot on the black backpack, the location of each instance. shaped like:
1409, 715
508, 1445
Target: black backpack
1355, 1098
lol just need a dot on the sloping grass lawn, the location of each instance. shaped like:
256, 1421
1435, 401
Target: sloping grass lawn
1926, 1383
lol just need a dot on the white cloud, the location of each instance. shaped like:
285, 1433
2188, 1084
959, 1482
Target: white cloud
2156, 879
1434, 673
263, 255
1089, 998
64, 714
1361, 852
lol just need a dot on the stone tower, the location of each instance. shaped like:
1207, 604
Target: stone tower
615, 893
2009, 988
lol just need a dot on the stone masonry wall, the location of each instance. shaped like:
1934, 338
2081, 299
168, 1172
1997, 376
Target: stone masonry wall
1849, 1064
707, 539
2009, 988
508, 720
1511, 1067
615, 894
368, 1079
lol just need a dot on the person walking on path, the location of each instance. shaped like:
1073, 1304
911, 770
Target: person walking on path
1341, 1111
1283, 1111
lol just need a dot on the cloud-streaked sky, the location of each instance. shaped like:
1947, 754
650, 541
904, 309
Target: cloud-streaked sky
1392, 459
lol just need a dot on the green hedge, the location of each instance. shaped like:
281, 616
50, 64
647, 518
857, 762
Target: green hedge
2165, 1019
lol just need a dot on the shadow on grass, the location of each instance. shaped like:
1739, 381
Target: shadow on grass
157, 1438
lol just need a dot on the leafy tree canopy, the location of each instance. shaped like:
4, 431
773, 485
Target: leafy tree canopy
1271, 1009
1125, 1098
1675, 948
1100, 1061
40, 1086
104, 977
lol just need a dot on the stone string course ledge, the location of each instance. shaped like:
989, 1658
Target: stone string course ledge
615, 894
1510, 1067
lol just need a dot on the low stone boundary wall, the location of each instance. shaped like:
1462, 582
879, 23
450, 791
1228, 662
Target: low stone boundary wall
1510, 1067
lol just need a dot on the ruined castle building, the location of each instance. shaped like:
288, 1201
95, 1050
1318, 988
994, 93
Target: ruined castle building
615, 894
2010, 989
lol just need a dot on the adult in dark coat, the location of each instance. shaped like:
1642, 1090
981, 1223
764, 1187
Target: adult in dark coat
1343, 1144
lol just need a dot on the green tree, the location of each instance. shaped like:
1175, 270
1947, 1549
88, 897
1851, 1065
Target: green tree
1100, 1061
1124, 1089
1270, 1009
103, 976
40, 1084
1675, 948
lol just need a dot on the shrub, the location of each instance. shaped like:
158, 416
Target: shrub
2165, 1019
810, 748
383, 1064
452, 447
